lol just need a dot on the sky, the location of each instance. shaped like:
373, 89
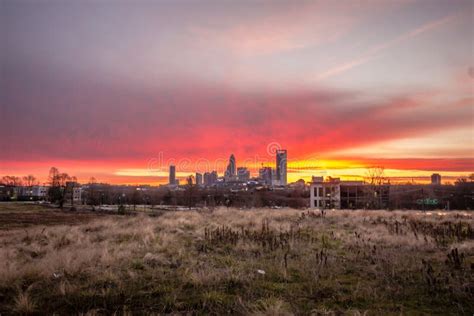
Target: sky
118, 90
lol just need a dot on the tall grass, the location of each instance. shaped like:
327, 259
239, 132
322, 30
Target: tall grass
257, 261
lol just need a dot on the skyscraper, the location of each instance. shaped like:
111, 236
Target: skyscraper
210, 178
436, 179
172, 175
198, 178
213, 177
281, 162
265, 174
243, 174
230, 173
207, 178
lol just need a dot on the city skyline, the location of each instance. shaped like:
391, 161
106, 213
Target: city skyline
205, 172
101, 90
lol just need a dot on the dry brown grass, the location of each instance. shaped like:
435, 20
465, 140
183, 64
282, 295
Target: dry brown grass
353, 262
23, 303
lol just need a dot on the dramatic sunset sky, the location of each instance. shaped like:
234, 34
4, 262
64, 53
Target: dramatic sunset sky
119, 89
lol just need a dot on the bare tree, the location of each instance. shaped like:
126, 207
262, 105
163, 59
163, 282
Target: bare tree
190, 192
136, 198
53, 177
92, 198
12, 180
63, 178
375, 175
29, 180
72, 185
375, 178
57, 190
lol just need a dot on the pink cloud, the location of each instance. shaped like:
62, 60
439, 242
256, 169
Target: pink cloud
295, 27
374, 51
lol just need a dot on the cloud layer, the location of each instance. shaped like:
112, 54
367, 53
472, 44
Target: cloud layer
94, 85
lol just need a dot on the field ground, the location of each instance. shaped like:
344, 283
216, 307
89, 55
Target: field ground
23, 215
229, 261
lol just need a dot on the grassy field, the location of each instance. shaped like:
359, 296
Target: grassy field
229, 261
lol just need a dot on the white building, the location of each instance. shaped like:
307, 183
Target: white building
77, 194
325, 194
35, 191
40, 191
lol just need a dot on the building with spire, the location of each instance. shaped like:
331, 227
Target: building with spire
230, 173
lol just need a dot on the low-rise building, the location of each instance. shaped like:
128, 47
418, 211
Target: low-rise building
353, 194
74, 191
39, 191
334, 193
325, 194
243, 174
265, 174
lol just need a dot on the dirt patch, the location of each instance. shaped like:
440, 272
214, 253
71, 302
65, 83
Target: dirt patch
22, 216
19, 220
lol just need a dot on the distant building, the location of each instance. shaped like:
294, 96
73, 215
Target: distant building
7, 192
189, 180
300, 184
210, 178
243, 174
274, 178
33, 192
266, 175
207, 178
334, 193
436, 179
198, 178
230, 173
214, 177
77, 194
354, 194
74, 190
172, 176
325, 194
39, 191
281, 166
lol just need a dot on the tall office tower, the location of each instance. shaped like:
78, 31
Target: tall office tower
198, 178
231, 170
172, 174
207, 178
265, 174
213, 177
243, 174
436, 179
281, 162
210, 178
